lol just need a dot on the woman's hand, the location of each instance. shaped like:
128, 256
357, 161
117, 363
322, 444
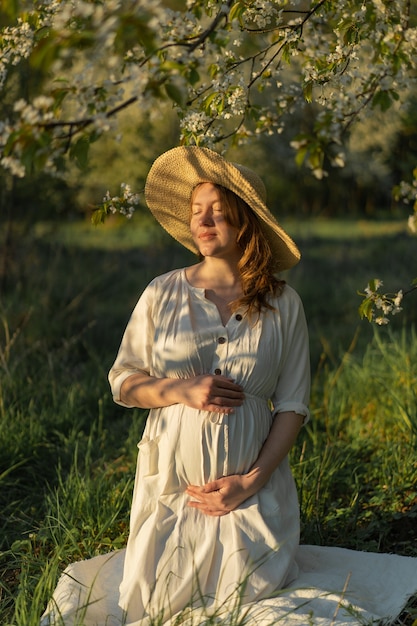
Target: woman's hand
225, 494
211, 393
207, 392
221, 496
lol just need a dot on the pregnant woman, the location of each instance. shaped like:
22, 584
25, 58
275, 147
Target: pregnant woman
219, 352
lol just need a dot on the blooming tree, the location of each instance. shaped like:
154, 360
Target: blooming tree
233, 69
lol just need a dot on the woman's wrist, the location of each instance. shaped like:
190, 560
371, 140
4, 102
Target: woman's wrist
256, 478
149, 392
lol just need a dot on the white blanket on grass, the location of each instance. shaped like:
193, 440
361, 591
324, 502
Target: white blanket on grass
335, 586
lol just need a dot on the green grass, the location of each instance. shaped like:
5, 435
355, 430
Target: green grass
69, 453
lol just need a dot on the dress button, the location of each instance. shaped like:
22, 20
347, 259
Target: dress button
217, 371
221, 340
238, 317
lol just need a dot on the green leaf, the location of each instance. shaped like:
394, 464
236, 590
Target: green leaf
171, 66
237, 11
193, 76
286, 52
301, 155
366, 309
221, 104
59, 95
174, 93
316, 158
213, 70
308, 91
350, 35
382, 99
99, 215
207, 102
79, 152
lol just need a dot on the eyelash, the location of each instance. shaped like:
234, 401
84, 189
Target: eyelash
198, 211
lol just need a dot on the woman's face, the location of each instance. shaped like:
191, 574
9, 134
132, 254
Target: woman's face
212, 235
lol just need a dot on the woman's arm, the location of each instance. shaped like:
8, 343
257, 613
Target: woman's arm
221, 496
206, 392
281, 438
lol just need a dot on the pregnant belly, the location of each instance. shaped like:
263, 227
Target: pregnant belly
211, 445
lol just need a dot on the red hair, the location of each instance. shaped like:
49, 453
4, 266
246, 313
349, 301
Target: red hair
256, 263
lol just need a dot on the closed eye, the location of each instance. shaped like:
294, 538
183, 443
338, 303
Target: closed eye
196, 209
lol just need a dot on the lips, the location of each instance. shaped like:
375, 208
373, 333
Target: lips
206, 236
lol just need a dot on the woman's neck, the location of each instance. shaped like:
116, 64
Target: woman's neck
214, 273
220, 281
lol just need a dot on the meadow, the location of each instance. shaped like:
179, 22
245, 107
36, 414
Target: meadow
68, 453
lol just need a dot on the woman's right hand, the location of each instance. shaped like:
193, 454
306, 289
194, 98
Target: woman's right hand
206, 392
209, 392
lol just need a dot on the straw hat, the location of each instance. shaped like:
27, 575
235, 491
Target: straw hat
173, 177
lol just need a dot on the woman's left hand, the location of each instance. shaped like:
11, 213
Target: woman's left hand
221, 496
225, 494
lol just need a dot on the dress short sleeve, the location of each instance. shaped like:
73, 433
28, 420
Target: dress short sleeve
135, 349
292, 390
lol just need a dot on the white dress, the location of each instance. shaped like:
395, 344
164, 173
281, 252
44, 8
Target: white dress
176, 555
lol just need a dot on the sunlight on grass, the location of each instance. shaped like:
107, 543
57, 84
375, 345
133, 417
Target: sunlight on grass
116, 234
345, 229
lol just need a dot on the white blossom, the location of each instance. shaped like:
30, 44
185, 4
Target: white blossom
14, 166
398, 298
104, 72
412, 223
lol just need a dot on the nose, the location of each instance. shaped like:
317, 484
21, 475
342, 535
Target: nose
206, 218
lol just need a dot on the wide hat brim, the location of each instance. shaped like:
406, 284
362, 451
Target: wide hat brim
174, 175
